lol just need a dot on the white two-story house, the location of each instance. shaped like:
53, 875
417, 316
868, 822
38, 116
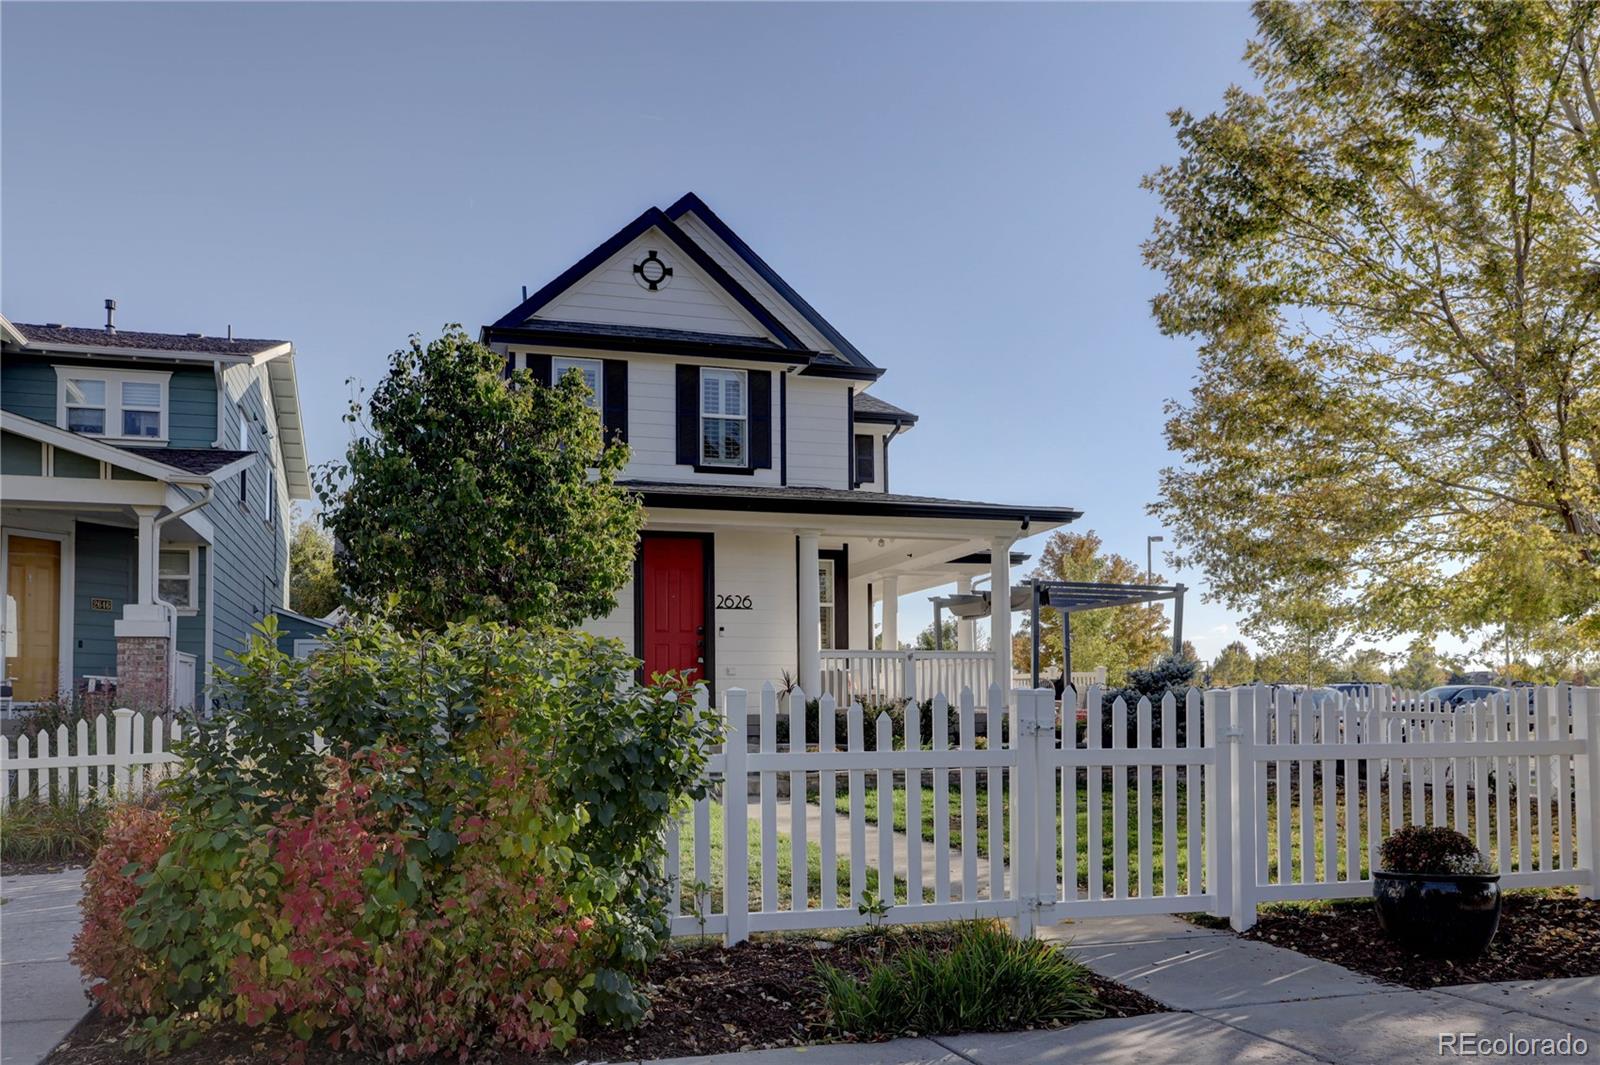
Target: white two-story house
763, 455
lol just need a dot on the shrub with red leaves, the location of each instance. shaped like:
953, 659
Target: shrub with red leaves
130, 980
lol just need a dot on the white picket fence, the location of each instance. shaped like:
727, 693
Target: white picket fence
873, 678
1267, 796
89, 763
1217, 802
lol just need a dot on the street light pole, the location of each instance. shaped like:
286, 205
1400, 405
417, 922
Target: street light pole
1149, 557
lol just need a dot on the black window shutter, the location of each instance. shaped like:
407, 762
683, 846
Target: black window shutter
761, 419
864, 470
615, 390
688, 415
539, 366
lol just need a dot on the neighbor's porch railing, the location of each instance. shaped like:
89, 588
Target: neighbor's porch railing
876, 677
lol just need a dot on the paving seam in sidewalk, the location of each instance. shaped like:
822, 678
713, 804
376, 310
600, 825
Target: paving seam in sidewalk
938, 1042
1554, 1019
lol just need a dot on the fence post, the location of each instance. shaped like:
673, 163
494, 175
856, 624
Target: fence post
908, 678
1046, 799
1242, 805
1218, 804
1586, 725
1024, 837
121, 761
736, 816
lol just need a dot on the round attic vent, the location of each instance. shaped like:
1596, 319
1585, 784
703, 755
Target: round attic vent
652, 272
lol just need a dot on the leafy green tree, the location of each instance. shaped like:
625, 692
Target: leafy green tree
1366, 666
1119, 638
1386, 256
926, 642
1234, 665
471, 496
1422, 668
313, 585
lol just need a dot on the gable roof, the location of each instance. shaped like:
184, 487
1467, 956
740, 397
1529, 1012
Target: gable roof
652, 218
689, 202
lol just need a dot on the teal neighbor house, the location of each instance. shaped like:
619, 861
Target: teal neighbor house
145, 480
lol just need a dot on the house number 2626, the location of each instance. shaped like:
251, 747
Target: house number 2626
734, 602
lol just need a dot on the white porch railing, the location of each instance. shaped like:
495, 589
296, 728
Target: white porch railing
876, 677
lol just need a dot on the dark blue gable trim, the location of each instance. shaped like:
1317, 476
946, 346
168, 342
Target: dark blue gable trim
690, 202
619, 240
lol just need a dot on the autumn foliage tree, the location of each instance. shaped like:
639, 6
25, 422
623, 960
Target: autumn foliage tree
1119, 638
1387, 257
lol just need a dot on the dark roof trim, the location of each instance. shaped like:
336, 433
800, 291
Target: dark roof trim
870, 504
834, 369
619, 240
983, 558
870, 408
690, 202
651, 345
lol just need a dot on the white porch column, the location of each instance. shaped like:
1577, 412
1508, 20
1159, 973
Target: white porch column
1000, 611
808, 614
966, 628
891, 613
145, 548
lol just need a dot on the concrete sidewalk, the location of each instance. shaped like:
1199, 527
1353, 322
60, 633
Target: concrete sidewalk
1237, 1002
41, 993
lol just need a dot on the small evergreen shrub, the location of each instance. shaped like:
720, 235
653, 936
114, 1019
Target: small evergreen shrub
986, 981
1431, 849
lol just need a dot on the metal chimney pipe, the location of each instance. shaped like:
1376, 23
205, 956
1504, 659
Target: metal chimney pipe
111, 316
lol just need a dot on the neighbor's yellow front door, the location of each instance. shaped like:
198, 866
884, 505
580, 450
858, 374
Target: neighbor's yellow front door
33, 588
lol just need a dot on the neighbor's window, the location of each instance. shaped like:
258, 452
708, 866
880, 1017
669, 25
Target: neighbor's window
176, 577
589, 368
723, 417
825, 575
118, 404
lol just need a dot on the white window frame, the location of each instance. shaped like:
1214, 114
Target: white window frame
826, 605
114, 380
192, 578
744, 397
560, 364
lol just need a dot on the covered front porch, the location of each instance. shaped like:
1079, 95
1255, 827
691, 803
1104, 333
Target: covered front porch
809, 584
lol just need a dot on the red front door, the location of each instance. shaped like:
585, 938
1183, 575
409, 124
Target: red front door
674, 626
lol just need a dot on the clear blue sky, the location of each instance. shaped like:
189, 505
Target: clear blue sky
956, 187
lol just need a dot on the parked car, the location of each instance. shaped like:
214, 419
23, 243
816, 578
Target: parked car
1461, 694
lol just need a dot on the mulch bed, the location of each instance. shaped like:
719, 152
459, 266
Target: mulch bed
1542, 936
704, 1000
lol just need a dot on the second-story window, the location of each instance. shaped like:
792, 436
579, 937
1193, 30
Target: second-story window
865, 448
117, 404
724, 418
590, 369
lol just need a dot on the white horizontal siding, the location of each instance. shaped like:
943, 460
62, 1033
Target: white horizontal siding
817, 429
877, 432
653, 426
618, 625
690, 300
780, 308
755, 645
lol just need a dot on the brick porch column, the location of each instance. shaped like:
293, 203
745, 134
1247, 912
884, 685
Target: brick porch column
143, 632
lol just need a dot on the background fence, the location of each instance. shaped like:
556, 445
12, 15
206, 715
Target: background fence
1218, 801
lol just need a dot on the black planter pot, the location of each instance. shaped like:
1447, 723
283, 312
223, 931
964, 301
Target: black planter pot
1438, 914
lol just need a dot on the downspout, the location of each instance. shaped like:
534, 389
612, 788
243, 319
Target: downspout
892, 434
206, 496
222, 400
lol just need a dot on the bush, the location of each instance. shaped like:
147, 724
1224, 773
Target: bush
1435, 849
987, 981
38, 830
869, 724
469, 864
135, 839
1173, 673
